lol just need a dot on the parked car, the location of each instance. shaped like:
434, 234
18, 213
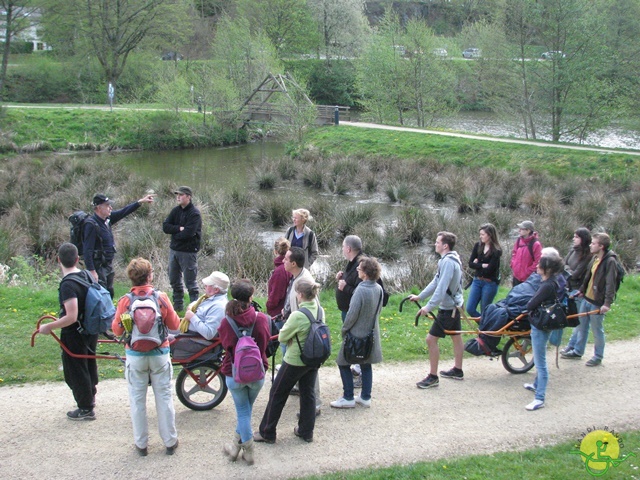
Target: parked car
552, 54
440, 52
471, 53
172, 56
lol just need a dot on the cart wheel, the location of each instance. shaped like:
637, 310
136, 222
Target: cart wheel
201, 386
517, 355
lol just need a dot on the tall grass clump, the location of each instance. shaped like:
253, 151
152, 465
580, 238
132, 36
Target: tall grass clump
286, 168
382, 244
591, 208
325, 222
275, 210
413, 224
350, 218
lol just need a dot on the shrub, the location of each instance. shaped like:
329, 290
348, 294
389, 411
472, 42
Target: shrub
413, 223
350, 218
590, 209
266, 180
275, 210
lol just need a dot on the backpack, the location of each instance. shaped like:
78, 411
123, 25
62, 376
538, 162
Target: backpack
247, 366
76, 231
317, 346
98, 307
148, 329
385, 294
620, 273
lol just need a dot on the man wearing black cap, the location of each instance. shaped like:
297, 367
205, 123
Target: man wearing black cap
184, 224
99, 246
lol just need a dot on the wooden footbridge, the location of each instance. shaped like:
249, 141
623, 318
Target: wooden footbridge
289, 102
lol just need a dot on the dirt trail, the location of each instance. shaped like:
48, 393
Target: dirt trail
404, 425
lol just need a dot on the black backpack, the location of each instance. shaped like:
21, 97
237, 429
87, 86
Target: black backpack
76, 232
620, 273
317, 346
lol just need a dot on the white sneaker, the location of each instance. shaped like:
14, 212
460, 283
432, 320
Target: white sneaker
343, 403
361, 401
530, 387
535, 405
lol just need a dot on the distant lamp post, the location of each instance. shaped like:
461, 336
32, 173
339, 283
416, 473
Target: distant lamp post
111, 92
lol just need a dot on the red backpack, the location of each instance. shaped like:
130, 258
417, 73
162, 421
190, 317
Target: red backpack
247, 358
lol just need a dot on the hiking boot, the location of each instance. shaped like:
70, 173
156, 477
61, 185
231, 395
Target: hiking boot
232, 449
247, 451
429, 381
171, 450
296, 432
357, 381
361, 401
454, 373
80, 415
142, 451
570, 355
530, 387
535, 405
343, 403
257, 437
593, 362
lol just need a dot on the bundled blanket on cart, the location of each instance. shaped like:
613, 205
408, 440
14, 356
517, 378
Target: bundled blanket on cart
497, 315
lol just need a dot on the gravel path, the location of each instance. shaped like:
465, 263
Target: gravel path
483, 414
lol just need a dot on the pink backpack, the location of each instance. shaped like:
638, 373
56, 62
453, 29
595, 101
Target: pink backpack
247, 358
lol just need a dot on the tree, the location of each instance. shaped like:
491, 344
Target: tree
113, 29
16, 16
287, 23
342, 25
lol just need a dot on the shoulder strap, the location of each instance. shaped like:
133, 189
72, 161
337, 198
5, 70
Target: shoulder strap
78, 280
236, 329
530, 245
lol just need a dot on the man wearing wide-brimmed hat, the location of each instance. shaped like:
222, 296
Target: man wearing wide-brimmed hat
99, 248
184, 224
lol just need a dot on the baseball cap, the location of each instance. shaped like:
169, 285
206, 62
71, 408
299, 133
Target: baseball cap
217, 279
184, 191
100, 198
527, 225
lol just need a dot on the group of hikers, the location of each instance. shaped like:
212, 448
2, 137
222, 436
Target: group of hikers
293, 304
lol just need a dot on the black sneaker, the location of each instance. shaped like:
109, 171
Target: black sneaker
428, 382
171, 450
454, 373
571, 355
143, 452
80, 415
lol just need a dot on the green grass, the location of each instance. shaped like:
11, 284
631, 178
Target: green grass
401, 341
554, 462
128, 129
468, 153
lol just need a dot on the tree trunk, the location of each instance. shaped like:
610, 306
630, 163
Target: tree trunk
6, 51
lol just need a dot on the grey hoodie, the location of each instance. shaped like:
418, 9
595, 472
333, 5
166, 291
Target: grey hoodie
448, 276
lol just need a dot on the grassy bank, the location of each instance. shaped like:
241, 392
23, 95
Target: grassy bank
555, 461
401, 341
49, 129
474, 153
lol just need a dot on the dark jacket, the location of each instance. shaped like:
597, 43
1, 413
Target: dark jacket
604, 282
350, 276
576, 265
98, 243
187, 240
492, 272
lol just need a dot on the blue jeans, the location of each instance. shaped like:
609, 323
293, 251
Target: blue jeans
243, 397
347, 381
539, 339
574, 335
483, 293
596, 322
